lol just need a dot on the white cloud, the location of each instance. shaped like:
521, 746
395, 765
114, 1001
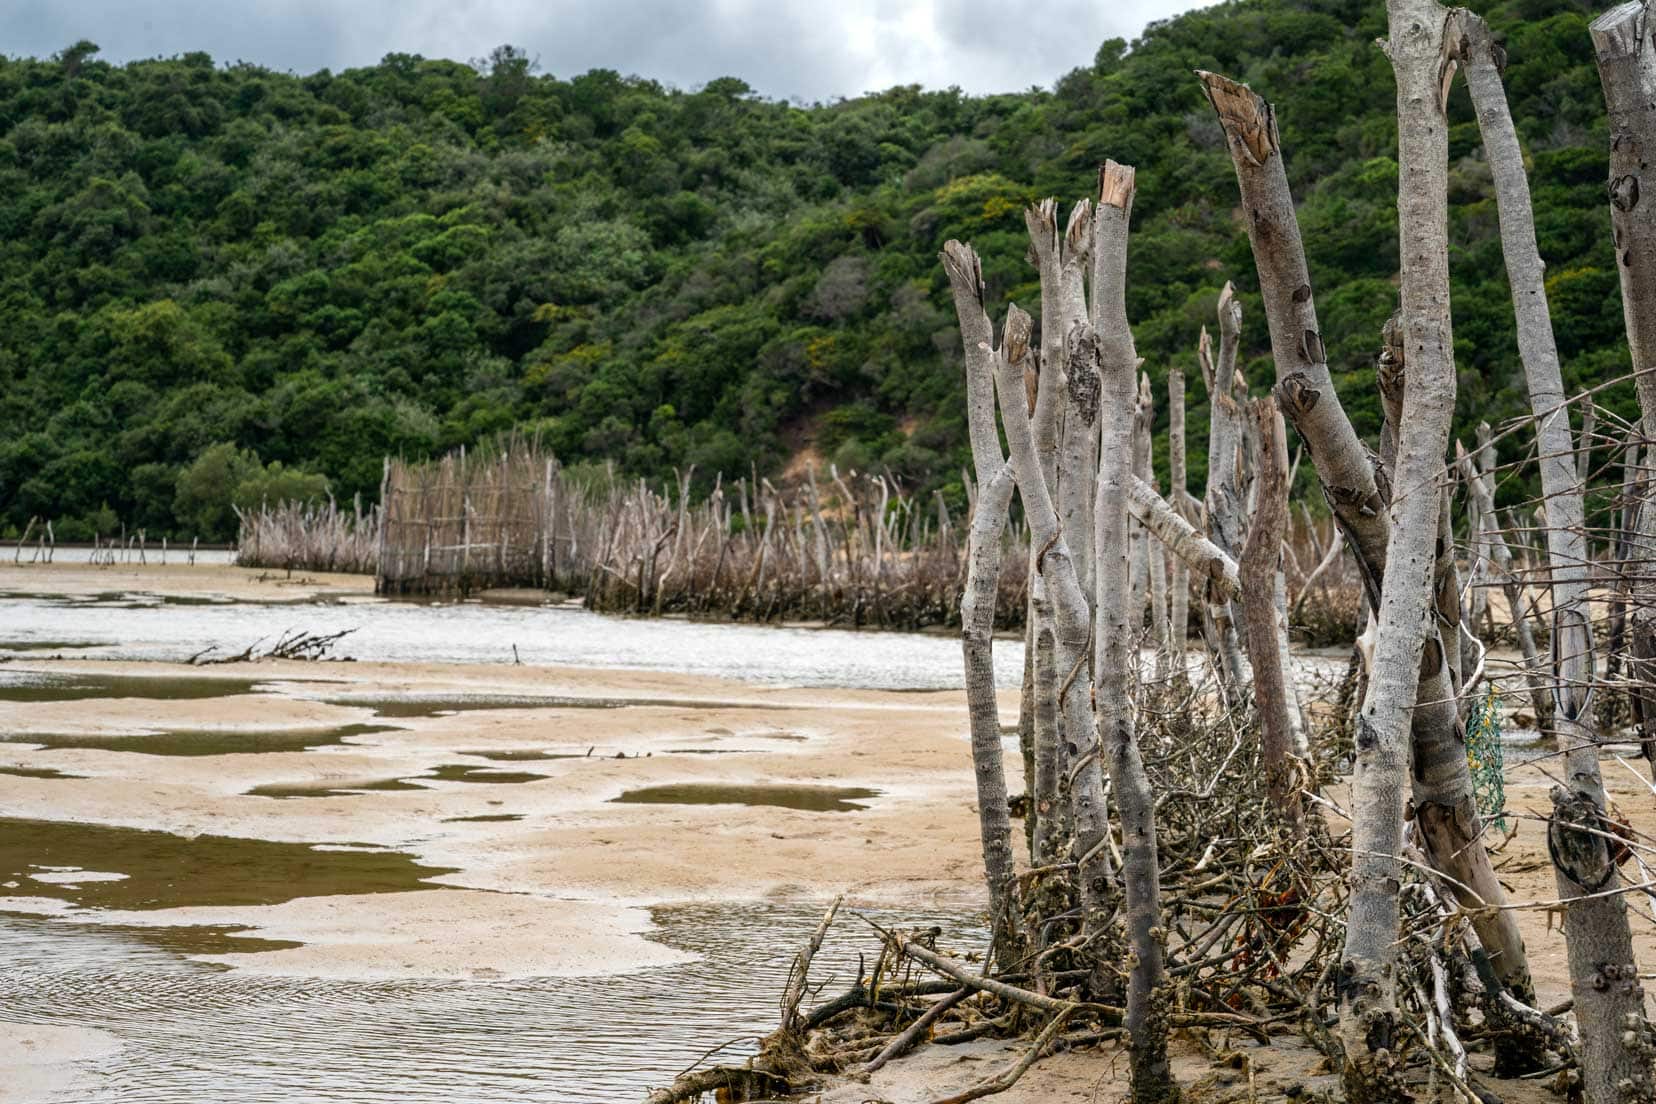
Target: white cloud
809, 49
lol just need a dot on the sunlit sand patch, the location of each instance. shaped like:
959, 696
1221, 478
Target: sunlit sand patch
412, 935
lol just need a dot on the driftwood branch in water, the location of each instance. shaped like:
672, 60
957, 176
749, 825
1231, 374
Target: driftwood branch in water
799, 974
295, 644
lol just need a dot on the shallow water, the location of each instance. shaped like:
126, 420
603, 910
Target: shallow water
31, 686
524, 755
137, 626
222, 742
194, 1032
37, 772
408, 706
161, 870
332, 788
83, 554
811, 799
472, 772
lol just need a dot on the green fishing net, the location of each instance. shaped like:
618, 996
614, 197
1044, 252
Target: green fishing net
1483, 756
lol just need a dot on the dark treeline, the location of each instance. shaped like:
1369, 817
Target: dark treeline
222, 285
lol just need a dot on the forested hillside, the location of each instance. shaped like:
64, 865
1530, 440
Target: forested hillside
215, 278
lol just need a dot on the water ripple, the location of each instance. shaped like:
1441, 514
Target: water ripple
200, 1033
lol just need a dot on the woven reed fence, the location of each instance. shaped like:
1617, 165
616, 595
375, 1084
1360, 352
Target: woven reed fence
465, 523
298, 536
854, 549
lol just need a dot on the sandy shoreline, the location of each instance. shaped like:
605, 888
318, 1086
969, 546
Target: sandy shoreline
913, 844
560, 890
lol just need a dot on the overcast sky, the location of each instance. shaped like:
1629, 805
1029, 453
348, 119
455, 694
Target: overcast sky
807, 49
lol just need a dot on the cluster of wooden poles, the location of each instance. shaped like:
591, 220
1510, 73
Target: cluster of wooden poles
309, 536
850, 548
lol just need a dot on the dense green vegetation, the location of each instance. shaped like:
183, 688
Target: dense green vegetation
214, 280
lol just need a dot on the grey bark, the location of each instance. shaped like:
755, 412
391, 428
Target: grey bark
1367, 986
1298, 726
1047, 796
977, 603
1603, 976
1305, 389
1177, 490
1357, 495
1207, 560
1223, 502
1621, 39
1055, 571
1261, 557
1061, 259
1138, 540
1151, 1079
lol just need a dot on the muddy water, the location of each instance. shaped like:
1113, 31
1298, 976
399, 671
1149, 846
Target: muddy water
409, 706
192, 1032
185, 742
133, 869
333, 788
32, 686
812, 799
37, 772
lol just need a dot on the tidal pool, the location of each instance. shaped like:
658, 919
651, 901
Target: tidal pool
211, 742
468, 772
162, 870
37, 772
812, 799
34, 686
332, 787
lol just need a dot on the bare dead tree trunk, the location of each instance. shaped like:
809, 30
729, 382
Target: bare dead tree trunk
1367, 986
1621, 39
1117, 656
1187, 544
1603, 975
1138, 539
1064, 420
977, 603
1480, 484
1441, 782
1177, 489
1223, 502
1261, 555
1071, 626
1062, 261
1047, 796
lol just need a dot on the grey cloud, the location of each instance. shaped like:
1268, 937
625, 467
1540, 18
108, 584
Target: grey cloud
784, 48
